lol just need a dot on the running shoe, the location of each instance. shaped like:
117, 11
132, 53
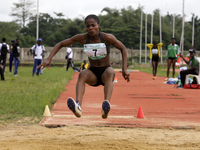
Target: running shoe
74, 107
180, 87
105, 109
166, 79
154, 78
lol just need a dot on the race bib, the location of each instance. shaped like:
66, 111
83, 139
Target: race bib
95, 51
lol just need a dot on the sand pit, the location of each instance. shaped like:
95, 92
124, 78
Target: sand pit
36, 137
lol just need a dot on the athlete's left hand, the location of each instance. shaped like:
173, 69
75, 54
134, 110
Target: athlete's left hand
126, 75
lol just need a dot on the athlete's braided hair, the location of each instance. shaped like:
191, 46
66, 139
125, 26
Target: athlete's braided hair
93, 17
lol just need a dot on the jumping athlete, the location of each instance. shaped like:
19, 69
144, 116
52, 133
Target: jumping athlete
97, 48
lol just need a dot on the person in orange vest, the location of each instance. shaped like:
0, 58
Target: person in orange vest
154, 56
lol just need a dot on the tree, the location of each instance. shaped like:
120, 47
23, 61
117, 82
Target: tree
9, 30
59, 14
112, 18
22, 11
124, 24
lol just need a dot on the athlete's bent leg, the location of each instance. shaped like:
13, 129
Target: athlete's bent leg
85, 76
107, 78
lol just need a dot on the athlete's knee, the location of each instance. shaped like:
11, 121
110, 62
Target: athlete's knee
83, 75
109, 72
108, 75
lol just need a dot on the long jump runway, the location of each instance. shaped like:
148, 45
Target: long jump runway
162, 104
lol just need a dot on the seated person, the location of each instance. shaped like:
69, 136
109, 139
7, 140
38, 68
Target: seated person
193, 67
84, 65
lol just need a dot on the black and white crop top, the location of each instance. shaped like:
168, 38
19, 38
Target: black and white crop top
96, 51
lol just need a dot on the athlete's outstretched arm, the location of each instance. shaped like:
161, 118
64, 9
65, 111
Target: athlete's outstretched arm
58, 46
116, 43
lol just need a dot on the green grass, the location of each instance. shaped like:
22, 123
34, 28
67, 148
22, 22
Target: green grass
25, 96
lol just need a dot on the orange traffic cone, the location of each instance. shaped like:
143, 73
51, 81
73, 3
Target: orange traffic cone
115, 80
140, 113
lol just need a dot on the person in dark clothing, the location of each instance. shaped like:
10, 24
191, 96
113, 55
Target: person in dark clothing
16, 54
1, 70
11, 58
4, 48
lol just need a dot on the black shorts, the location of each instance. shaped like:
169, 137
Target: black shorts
172, 58
155, 58
98, 71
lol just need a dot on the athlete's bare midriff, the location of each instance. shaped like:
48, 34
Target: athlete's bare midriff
100, 62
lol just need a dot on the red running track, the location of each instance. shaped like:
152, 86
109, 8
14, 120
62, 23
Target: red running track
162, 104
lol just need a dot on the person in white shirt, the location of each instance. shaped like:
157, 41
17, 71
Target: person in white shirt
69, 57
4, 49
37, 51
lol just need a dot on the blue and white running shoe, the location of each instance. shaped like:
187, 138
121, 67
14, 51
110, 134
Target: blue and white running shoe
105, 109
74, 107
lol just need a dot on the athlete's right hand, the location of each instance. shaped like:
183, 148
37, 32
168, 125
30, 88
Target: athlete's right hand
45, 64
